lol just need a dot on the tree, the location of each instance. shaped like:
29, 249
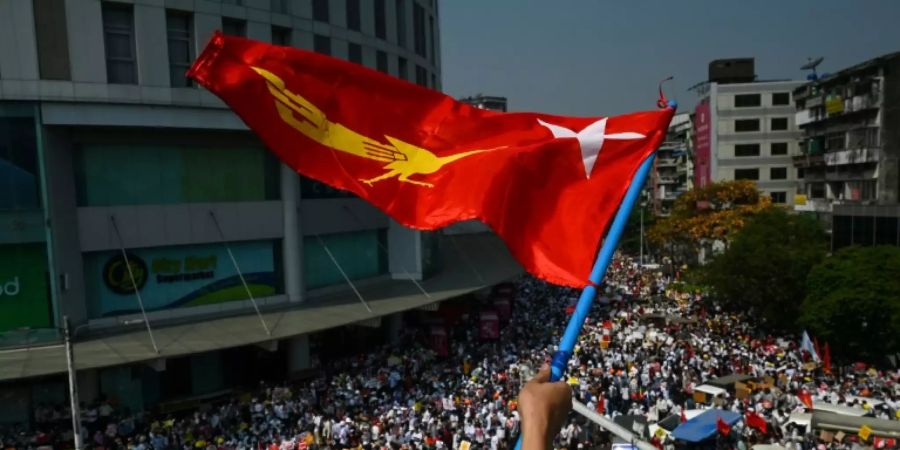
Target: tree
714, 212
765, 267
853, 302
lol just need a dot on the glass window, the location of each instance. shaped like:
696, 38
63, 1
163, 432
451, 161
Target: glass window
781, 98
320, 10
181, 49
381, 61
380, 20
401, 22
125, 174
360, 255
19, 173
352, 15
402, 68
779, 197
778, 173
779, 123
281, 36
234, 27
421, 76
431, 40
354, 53
742, 150
419, 30
778, 148
746, 125
746, 174
52, 39
747, 100
434, 82
118, 39
322, 44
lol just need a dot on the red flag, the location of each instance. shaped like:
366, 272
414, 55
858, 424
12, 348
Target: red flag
826, 358
755, 421
547, 185
806, 398
723, 427
683, 417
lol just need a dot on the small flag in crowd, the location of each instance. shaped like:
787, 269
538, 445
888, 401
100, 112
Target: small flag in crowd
755, 421
547, 185
807, 346
806, 398
724, 428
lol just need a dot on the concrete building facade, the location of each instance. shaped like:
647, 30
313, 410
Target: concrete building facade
750, 134
672, 170
851, 148
138, 206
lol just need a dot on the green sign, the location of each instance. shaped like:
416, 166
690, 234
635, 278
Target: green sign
24, 293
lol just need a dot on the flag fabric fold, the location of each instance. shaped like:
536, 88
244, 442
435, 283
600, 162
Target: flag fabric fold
547, 185
755, 421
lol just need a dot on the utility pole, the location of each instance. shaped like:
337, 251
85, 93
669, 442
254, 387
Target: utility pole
73, 385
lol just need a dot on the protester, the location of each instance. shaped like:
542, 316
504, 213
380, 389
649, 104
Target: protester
644, 348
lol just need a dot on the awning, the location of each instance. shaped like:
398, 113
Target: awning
473, 262
838, 409
703, 426
711, 390
727, 382
848, 424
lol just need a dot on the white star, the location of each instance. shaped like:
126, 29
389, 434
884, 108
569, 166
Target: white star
590, 139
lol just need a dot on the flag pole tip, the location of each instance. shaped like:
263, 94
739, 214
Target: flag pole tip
673, 104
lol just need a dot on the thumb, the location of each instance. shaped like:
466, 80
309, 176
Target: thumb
543, 375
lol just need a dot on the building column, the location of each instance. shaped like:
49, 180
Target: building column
292, 244
404, 252
298, 354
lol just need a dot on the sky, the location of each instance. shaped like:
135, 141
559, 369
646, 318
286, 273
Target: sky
603, 57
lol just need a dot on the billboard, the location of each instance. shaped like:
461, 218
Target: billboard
702, 145
24, 288
180, 276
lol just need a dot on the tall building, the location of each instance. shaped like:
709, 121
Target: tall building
671, 175
744, 130
186, 258
851, 145
493, 103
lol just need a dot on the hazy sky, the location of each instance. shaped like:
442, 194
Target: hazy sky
599, 57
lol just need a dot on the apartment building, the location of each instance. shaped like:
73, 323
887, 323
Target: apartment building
744, 129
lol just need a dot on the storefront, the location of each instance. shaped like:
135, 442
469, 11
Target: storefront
26, 293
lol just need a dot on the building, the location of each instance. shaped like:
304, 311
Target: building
851, 145
186, 258
744, 130
671, 175
486, 102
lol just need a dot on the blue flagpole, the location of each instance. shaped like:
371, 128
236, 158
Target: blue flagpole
604, 257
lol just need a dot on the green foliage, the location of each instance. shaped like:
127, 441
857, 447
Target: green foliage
853, 302
766, 266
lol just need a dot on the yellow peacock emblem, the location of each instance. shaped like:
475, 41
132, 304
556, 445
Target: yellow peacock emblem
403, 159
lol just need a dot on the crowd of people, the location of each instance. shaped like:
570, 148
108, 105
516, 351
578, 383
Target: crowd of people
644, 349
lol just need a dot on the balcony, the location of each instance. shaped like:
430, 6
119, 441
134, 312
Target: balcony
819, 205
856, 156
666, 162
803, 161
